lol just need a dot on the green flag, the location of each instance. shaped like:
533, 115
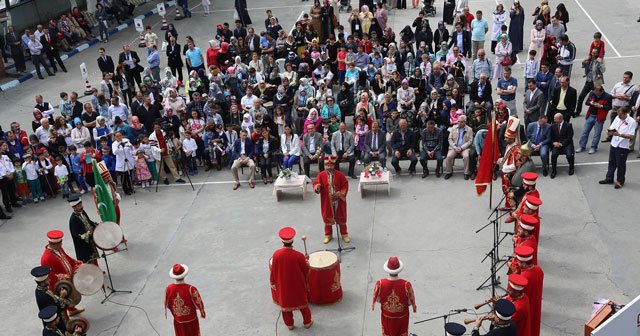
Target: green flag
103, 199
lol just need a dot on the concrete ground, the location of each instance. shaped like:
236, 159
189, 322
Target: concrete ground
587, 245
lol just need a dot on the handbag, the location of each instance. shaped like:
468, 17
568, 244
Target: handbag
506, 61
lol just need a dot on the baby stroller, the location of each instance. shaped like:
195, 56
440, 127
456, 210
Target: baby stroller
428, 8
345, 6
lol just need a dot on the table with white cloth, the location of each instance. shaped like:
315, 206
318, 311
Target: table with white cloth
371, 180
295, 183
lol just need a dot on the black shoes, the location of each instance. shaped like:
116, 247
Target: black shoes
553, 174
466, 177
353, 176
605, 182
3, 216
166, 181
180, 181
425, 173
447, 176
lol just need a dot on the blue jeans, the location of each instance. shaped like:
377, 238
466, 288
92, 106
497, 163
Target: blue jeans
288, 163
36, 189
185, 8
588, 125
65, 188
80, 181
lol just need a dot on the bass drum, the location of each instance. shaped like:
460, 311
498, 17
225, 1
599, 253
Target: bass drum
88, 279
107, 236
324, 278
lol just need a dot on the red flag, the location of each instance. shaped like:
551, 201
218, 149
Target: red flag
490, 154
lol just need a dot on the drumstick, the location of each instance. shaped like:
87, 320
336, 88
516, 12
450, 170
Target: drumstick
304, 240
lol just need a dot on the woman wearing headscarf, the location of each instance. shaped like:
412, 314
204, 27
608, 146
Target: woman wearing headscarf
381, 15
247, 123
136, 128
499, 18
300, 108
316, 17
503, 52
538, 36
212, 53
440, 35
174, 102
312, 119
365, 18
516, 27
170, 32
447, 11
102, 131
406, 34
355, 23
224, 57
169, 81
328, 20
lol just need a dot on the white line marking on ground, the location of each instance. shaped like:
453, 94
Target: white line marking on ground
598, 28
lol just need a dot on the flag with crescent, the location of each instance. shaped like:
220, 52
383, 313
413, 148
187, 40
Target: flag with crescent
103, 199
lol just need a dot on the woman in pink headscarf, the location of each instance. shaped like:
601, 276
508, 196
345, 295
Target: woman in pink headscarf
137, 128
364, 104
312, 119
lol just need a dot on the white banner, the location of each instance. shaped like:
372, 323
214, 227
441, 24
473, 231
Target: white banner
626, 322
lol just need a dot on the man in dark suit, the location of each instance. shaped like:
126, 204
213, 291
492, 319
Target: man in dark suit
239, 31
252, 41
431, 139
15, 45
375, 144
311, 152
533, 102
343, 146
105, 62
174, 58
564, 100
562, 143
480, 93
539, 135
243, 150
402, 141
554, 83
52, 52
130, 60
466, 40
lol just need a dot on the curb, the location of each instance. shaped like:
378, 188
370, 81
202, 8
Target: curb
82, 47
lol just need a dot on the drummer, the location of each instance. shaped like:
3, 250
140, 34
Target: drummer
60, 264
46, 298
81, 228
289, 277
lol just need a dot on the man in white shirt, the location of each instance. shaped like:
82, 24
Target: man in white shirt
7, 184
621, 131
621, 93
42, 132
35, 48
247, 102
117, 110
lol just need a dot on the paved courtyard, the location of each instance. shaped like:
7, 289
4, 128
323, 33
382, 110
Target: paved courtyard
588, 245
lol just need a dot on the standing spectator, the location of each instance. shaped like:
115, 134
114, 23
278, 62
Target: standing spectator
621, 130
105, 62
562, 15
174, 58
15, 45
154, 62
150, 38
130, 59
462, 39
564, 99
185, 7
103, 17
503, 55
479, 29
622, 93
594, 69
516, 27
543, 78
35, 48
555, 28
51, 50
599, 103
125, 163
506, 89
566, 55
499, 19
538, 36
243, 13
194, 58
533, 101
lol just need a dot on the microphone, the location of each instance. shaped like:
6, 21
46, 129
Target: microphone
463, 310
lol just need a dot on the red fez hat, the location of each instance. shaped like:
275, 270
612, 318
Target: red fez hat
528, 222
330, 159
179, 271
524, 253
286, 234
532, 202
518, 282
393, 266
55, 236
529, 178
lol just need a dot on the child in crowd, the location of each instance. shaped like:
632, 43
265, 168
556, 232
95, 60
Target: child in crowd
62, 176
189, 146
142, 170
151, 160
22, 187
65, 107
76, 168
531, 66
110, 161
599, 44
32, 172
44, 168
86, 160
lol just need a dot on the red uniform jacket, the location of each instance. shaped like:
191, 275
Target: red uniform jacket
395, 297
534, 292
341, 188
183, 300
60, 263
289, 272
521, 317
531, 242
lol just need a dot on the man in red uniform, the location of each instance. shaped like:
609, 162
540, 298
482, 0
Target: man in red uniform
289, 277
183, 300
525, 237
515, 294
60, 264
333, 187
528, 189
395, 296
535, 276
508, 163
529, 206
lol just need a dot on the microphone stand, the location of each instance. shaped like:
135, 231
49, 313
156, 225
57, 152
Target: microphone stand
111, 287
339, 234
444, 317
494, 253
